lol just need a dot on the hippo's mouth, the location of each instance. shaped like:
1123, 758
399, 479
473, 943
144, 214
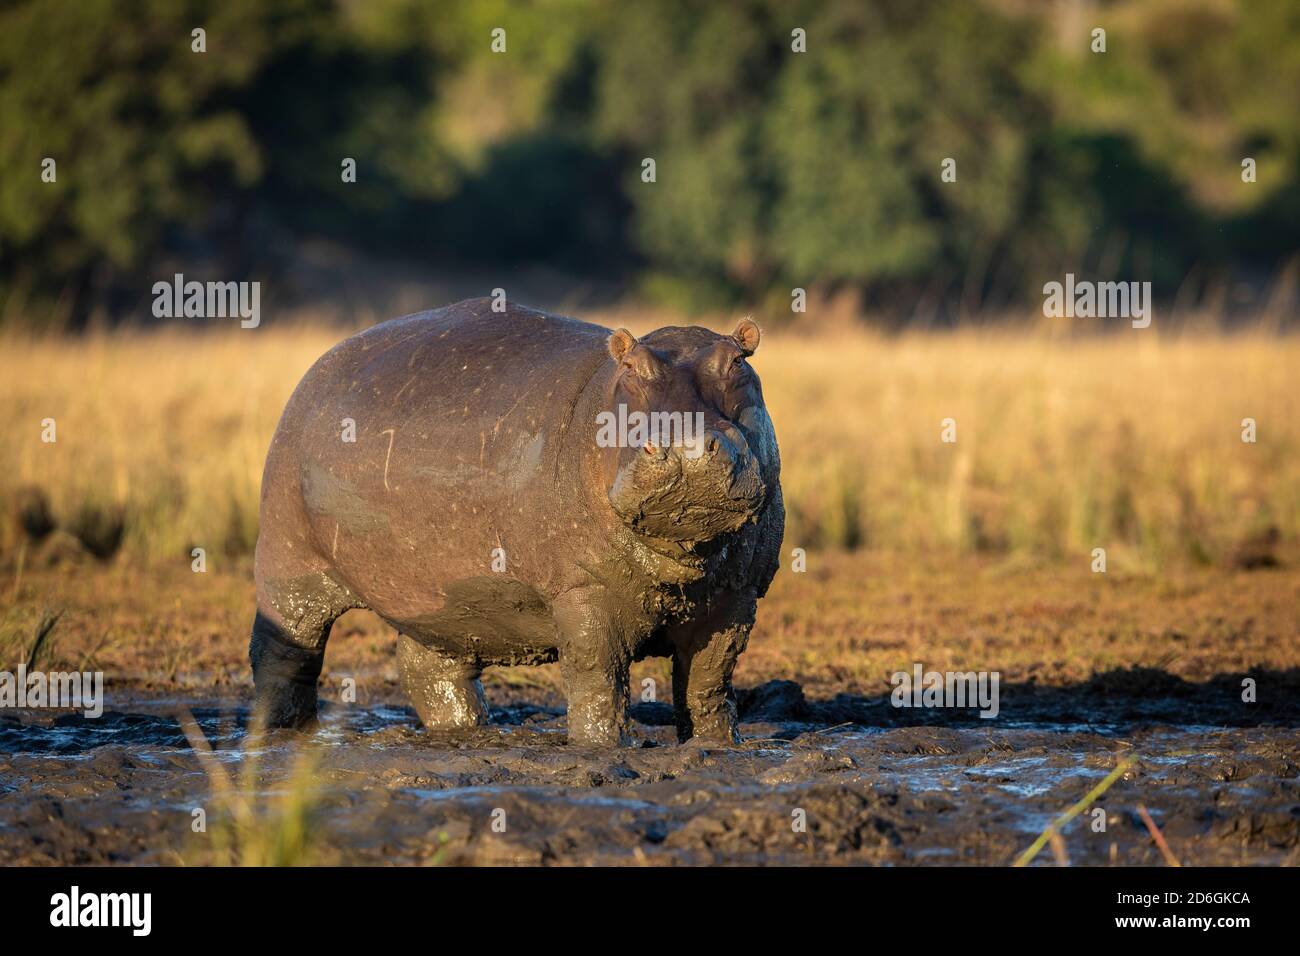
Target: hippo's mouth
684, 554
673, 513
663, 493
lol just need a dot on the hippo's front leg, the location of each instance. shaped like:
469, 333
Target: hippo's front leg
594, 663
704, 656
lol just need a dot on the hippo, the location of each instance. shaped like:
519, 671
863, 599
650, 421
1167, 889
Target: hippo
468, 475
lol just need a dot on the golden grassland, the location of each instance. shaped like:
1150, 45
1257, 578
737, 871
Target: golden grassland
1130, 441
953, 554
845, 625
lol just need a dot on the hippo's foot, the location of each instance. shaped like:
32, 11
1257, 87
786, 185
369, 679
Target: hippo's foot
712, 721
445, 691
287, 705
592, 723
597, 703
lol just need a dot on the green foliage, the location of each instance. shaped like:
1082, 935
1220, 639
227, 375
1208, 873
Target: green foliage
140, 128
823, 168
774, 168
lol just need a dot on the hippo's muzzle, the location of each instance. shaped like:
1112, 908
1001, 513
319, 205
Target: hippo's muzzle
685, 492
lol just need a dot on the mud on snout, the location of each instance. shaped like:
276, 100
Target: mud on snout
691, 491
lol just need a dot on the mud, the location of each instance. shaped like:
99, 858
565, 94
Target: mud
876, 785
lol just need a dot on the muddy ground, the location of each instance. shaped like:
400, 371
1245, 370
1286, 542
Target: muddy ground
122, 789
1092, 672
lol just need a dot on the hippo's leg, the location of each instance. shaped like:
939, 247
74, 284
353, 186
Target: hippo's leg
287, 650
594, 663
445, 690
704, 657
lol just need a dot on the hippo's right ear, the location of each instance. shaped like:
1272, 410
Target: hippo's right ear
619, 342
747, 335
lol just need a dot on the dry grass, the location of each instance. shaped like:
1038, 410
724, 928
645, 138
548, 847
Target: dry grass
173, 427
1129, 442
845, 625
249, 826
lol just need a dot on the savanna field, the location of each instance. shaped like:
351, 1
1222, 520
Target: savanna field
1038, 601
1130, 442
968, 555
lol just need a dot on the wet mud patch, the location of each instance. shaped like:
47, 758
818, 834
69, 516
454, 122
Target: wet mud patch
841, 780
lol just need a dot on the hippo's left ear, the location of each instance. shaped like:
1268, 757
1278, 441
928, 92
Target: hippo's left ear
620, 342
747, 335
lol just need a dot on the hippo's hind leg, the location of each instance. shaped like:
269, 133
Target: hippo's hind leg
445, 689
287, 650
704, 656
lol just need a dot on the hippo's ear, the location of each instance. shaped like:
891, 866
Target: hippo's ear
747, 335
619, 342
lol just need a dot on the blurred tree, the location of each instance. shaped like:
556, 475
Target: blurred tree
140, 128
775, 168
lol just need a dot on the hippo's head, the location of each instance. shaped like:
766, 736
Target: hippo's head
689, 450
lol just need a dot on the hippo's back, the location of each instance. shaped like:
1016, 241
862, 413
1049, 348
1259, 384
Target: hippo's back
417, 444
463, 359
